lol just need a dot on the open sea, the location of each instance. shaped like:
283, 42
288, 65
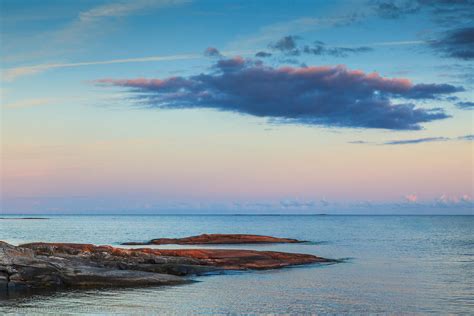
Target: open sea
391, 264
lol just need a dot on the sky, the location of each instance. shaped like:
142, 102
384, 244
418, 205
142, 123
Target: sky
224, 107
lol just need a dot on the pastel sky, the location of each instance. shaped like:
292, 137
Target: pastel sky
180, 106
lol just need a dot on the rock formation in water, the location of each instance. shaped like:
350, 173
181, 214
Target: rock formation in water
217, 239
22, 269
61, 265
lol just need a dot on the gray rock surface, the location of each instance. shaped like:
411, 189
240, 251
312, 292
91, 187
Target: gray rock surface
21, 269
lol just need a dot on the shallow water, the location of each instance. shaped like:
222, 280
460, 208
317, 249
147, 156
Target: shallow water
393, 264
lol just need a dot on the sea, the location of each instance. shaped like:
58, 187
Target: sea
388, 265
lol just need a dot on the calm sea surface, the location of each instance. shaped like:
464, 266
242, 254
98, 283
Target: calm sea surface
393, 264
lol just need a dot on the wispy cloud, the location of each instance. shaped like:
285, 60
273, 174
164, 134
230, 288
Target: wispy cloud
16, 72
95, 16
288, 46
467, 137
263, 54
395, 9
417, 140
86, 26
302, 25
268, 33
124, 8
30, 103
358, 142
101, 100
397, 43
319, 48
466, 105
458, 43
13, 73
443, 12
428, 140
212, 52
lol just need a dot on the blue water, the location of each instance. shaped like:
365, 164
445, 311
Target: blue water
393, 264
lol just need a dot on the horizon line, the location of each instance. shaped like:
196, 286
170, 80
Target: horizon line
232, 214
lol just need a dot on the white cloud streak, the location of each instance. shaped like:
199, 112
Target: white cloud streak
86, 26
124, 8
30, 103
271, 32
13, 73
398, 43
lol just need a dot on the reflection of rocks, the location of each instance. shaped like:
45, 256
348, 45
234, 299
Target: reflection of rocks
57, 265
217, 239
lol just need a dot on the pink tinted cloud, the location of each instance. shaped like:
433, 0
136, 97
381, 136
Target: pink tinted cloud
411, 198
330, 96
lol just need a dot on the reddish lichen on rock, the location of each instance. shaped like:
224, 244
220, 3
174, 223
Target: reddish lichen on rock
217, 239
226, 259
57, 265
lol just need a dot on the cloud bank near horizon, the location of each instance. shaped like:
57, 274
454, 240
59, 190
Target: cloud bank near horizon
326, 96
408, 204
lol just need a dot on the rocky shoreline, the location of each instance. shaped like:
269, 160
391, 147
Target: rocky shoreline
55, 266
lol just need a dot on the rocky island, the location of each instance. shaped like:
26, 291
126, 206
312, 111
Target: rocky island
36, 266
217, 239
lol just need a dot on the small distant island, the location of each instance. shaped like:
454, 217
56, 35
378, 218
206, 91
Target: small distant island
24, 218
37, 266
217, 239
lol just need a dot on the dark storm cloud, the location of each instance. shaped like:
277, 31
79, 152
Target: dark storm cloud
328, 96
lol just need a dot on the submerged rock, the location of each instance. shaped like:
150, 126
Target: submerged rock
217, 239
